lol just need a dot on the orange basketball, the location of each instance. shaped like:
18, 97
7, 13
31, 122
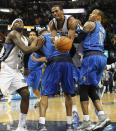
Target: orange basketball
63, 45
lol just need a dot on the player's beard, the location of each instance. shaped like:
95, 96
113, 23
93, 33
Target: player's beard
19, 29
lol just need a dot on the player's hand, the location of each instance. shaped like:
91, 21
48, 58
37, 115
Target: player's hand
41, 39
40, 42
34, 41
30, 39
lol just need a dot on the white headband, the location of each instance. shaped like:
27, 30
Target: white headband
16, 20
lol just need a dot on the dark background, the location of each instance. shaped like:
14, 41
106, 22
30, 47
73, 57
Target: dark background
37, 12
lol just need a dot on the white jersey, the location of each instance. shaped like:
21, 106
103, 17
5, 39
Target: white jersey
10, 77
64, 31
10, 54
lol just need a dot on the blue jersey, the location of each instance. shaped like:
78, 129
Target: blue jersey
94, 41
33, 65
51, 50
56, 72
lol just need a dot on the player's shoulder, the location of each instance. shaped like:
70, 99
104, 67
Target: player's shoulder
12, 33
72, 22
71, 17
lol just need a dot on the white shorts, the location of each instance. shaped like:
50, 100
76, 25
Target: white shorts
10, 80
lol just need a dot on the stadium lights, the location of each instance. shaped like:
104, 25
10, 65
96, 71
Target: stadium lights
6, 10
74, 11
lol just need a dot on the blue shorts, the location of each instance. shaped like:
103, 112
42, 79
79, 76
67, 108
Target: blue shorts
76, 73
92, 69
33, 80
55, 73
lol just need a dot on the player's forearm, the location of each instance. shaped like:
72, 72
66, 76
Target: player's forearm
33, 47
29, 49
42, 59
54, 35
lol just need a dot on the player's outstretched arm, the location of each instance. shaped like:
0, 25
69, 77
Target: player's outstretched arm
16, 38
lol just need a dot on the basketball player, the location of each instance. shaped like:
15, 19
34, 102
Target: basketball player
59, 69
35, 71
62, 24
91, 71
10, 78
65, 26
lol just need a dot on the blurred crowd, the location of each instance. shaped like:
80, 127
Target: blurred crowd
36, 13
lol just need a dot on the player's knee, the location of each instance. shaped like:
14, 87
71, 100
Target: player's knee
83, 92
44, 102
25, 94
93, 93
68, 97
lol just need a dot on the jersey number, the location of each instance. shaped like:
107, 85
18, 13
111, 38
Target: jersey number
100, 37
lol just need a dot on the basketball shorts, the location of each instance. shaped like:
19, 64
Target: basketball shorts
33, 80
10, 80
55, 73
92, 69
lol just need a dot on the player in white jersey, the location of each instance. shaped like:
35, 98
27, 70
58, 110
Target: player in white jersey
64, 25
11, 80
64, 30
61, 23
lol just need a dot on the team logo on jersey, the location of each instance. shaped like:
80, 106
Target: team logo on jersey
84, 78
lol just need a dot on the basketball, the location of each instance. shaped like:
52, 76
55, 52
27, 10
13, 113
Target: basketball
63, 45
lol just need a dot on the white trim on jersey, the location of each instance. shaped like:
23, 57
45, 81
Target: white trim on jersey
64, 30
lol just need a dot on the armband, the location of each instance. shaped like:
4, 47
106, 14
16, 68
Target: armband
79, 28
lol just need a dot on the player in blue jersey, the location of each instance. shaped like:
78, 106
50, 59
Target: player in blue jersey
35, 75
92, 68
35, 71
59, 69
